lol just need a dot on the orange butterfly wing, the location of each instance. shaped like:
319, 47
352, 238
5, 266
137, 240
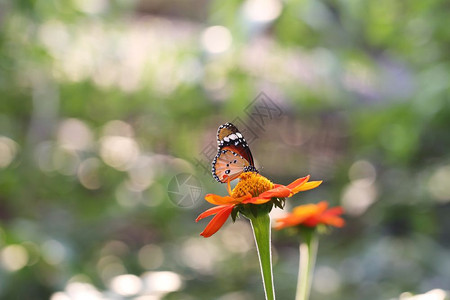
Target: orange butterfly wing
234, 156
228, 165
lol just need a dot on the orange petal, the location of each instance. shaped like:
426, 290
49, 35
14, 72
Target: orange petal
217, 222
209, 212
279, 192
333, 221
312, 215
290, 220
281, 226
321, 207
308, 210
219, 200
243, 199
298, 182
256, 200
311, 221
306, 186
335, 211
331, 217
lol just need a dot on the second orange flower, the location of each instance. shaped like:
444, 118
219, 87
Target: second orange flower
312, 215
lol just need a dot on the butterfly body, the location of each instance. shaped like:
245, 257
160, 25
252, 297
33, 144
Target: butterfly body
233, 156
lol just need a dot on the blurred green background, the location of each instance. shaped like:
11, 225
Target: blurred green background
104, 102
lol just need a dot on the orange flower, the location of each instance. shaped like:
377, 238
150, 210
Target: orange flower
252, 189
311, 215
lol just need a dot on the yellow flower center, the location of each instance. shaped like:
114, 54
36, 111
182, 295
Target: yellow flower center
253, 183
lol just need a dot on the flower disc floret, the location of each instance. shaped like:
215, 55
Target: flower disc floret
253, 184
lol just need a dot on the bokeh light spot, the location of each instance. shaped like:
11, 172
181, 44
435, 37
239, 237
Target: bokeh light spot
363, 172
199, 254
74, 134
326, 280
126, 196
88, 173
216, 39
151, 256
262, 10
117, 128
59, 296
119, 152
53, 252
65, 161
436, 294
126, 285
439, 186
142, 173
14, 257
92, 7
8, 151
109, 267
82, 291
162, 282
115, 247
357, 197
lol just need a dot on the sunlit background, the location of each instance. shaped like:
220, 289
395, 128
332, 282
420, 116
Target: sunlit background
104, 102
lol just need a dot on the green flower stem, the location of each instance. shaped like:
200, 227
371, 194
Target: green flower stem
308, 253
261, 231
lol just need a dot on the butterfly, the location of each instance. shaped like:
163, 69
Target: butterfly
233, 155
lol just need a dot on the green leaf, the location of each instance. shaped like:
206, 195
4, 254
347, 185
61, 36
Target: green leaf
234, 213
278, 204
